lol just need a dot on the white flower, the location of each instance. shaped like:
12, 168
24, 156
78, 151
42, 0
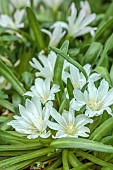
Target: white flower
54, 4
32, 121
43, 91
56, 36
46, 69
78, 26
95, 99
6, 21
4, 84
77, 78
68, 125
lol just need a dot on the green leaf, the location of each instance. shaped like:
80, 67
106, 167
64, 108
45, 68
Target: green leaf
94, 159
106, 24
93, 53
70, 89
73, 159
35, 154
102, 130
5, 6
8, 38
7, 105
18, 147
35, 28
65, 159
8, 74
69, 59
21, 165
104, 73
54, 165
58, 69
81, 143
108, 46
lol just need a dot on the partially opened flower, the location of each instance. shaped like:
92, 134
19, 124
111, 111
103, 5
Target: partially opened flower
33, 119
43, 91
54, 4
67, 125
56, 36
95, 99
46, 69
4, 84
78, 26
77, 78
6, 21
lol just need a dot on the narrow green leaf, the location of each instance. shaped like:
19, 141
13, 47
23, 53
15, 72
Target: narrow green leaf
21, 148
70, 89
102, 130
103, 26
93, 53
8, 74
59, 67
36, 28
104, 73
5, 6
7, 105
35, 154
82, 167
69, 59
12, 153
108, 46
81, 143
94, 159
21, 165
65, 159
54, 165
107, 140
9, 38
74, 162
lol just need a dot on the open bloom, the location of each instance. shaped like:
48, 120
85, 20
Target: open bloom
46, 69
42, 90
56, 36
78, 26
95, 99
33, 119
54, 4
77, 78
6, 21
68, 125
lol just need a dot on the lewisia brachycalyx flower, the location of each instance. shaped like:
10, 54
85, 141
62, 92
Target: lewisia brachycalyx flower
78, 26
77, 78
95, 99
67, 125
46, 69
6, 21
56, 36
43, 91
33, 119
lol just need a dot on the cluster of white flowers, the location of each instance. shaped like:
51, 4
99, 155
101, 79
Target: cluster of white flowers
76, 26
40, 118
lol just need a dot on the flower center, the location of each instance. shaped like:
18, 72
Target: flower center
94, 104
70, 128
